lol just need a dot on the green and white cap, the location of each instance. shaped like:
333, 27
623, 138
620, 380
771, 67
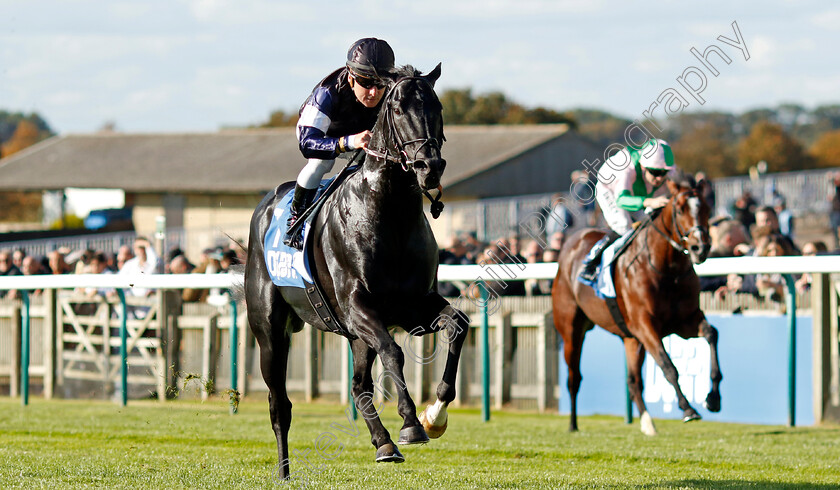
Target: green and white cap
655, 153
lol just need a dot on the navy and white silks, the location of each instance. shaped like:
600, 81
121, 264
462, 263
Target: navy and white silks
329, 114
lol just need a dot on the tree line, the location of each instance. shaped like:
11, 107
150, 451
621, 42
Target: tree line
787, 137
18, 131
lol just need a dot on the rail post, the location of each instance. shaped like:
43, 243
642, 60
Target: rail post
790, 302
24, 351
485, 353
123, 348
234, 351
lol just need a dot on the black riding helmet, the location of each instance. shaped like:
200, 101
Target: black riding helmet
370, 58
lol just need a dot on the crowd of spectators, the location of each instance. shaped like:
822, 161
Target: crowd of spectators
139, 257
748, 228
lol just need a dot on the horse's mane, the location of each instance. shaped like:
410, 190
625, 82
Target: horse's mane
683, 179
406, 71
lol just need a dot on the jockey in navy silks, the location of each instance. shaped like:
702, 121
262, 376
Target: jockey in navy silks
337, 117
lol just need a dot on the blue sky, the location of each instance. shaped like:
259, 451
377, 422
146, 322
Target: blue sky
199, 65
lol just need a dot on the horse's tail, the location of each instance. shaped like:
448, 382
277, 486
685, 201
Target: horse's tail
237, 288
238, 273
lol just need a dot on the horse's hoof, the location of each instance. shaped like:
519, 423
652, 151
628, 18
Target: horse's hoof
388, 453
712, 402
433, 431
647, 426
691, 415
413, 435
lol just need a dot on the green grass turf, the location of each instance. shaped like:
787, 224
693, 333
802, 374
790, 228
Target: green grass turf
182, 444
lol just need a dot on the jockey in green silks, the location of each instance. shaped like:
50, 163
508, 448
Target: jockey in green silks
630, 181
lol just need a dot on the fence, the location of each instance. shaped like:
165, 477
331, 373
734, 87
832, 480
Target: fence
520, 353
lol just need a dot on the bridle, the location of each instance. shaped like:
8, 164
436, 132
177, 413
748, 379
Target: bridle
675, 224
406, 162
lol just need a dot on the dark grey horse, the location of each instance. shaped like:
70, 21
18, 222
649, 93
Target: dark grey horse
376, 258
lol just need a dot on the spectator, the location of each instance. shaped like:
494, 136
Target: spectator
31, 266
582, 191
772, 286
810, 249
124, 254
708, 190
229, 258
145, 261
729, 240
533, 254
558, 219
98, 264
473, 245
744, 209
550, 256
7, 268
180, 265
454, 254
210, 265
17, 258
506, 286
80, 260
56, 263
785, 216
765, 216
835, 211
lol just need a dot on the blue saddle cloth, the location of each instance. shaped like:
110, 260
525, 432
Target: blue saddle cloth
604, 285
288, 266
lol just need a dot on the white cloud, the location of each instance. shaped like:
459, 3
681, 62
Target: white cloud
829, 20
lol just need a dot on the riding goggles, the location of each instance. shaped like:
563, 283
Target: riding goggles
658, 172
369, 83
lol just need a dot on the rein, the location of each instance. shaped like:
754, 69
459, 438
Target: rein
683, 237
406, 162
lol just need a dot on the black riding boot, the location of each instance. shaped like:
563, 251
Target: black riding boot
302, 199
590, 264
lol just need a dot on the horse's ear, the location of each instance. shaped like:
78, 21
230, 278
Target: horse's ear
433, 75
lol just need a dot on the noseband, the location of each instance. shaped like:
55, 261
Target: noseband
406, 162
683, 237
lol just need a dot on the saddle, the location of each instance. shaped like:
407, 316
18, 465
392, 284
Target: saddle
604, 286
288, 267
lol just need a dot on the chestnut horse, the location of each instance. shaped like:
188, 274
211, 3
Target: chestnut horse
657, 292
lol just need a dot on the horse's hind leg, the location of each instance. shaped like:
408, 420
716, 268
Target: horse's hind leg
635, 354
441, 316
363, 394
274, 353
710, 333
572, 349
270, 319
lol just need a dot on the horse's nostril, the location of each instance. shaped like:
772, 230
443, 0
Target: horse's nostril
420, 165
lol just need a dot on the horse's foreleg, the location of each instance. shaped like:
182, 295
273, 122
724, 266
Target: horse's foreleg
363, 397
635, 354
371, 330
456, 325
663, 360
710, 333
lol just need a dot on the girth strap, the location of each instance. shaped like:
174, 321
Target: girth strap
324, 310
612, 305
